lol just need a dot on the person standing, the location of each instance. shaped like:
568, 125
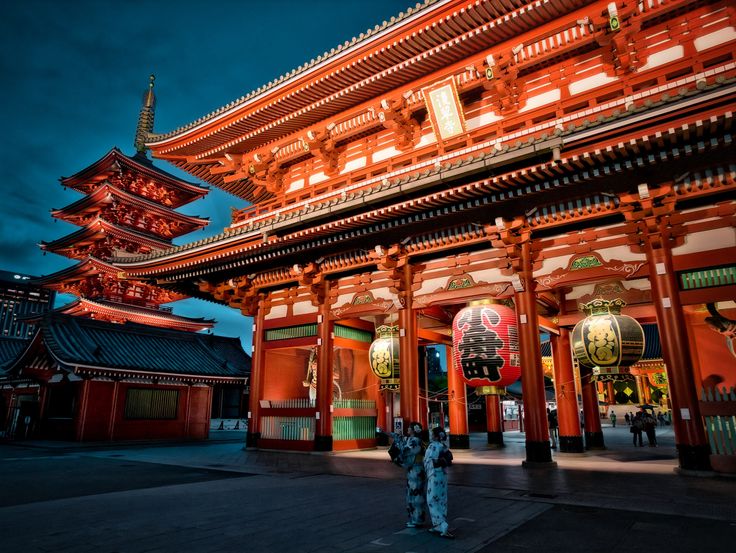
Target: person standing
637, 425
613, 419
650, 428
435, 465
412, 459
553, 427
627, 418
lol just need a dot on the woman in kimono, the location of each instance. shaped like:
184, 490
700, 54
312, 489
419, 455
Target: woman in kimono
411, 459
435, 465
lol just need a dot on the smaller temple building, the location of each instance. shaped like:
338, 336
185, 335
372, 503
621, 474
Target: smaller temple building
90, 380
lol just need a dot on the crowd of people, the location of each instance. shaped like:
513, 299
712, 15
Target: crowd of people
426, 476
642, 423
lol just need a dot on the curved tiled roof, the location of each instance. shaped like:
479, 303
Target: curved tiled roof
10, 349
368, 35
137, 163
74, 341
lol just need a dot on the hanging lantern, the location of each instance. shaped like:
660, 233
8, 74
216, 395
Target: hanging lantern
383, 356
485, 343
606, 341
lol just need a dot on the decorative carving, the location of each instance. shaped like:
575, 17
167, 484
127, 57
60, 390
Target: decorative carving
501, 79
615, 32
654, 218
324, 147
395, 115
585, 262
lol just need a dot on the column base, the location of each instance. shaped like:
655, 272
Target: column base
594, 440
571, 444
251, 439
459, 441
538, 454
495, 439
323, 443
694, 457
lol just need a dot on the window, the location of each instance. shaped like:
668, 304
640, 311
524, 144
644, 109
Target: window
146, 403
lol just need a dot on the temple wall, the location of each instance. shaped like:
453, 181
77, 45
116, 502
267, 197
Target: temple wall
715, 364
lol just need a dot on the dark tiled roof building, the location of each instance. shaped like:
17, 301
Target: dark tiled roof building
85, 379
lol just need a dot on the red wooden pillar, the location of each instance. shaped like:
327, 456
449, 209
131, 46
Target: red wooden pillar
82, 420
258, 367
458, 401
593, 429
382, 417
532, 375
690, 439
325, 371
494, 423
409, 357
610, 393
568, 416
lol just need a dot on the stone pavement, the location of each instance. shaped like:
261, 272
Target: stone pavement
620, 499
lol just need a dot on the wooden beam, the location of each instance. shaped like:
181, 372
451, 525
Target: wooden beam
434, 337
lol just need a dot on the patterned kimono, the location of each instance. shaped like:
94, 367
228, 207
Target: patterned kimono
436, 487
416, 480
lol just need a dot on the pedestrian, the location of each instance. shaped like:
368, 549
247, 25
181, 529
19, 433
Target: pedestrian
637, 425
660, 419
613, 419
435, 464
627, 418
412, 459
650, 428
553, 426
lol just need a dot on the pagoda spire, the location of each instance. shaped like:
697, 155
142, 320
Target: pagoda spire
145, 119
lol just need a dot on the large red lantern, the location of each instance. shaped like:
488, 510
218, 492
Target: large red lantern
485, 341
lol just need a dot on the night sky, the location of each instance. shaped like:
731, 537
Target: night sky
73, 75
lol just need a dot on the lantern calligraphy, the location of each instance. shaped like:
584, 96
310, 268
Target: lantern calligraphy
485, 342
384, 357
606, 341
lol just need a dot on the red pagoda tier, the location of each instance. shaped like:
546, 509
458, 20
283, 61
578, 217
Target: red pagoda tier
128, 209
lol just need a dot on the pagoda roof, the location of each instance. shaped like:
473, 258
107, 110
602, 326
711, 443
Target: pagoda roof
88, 346
91, 176
435, 34
84, 307
86, 267
105, 193
96, 229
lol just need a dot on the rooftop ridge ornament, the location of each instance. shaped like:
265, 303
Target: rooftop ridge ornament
145, 119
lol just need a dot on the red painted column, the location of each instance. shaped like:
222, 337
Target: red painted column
690, 439
82, 420
535, 407
113, 411
325, 371
408, 357
610, 393
494, 423
458, 405
382, 417
593, 429
258, 367
568, 416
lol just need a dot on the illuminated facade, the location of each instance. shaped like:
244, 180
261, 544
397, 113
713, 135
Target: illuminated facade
539, 154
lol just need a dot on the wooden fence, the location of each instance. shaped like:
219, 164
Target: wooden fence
718, 409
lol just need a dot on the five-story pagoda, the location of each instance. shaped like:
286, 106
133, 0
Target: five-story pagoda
128, 209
